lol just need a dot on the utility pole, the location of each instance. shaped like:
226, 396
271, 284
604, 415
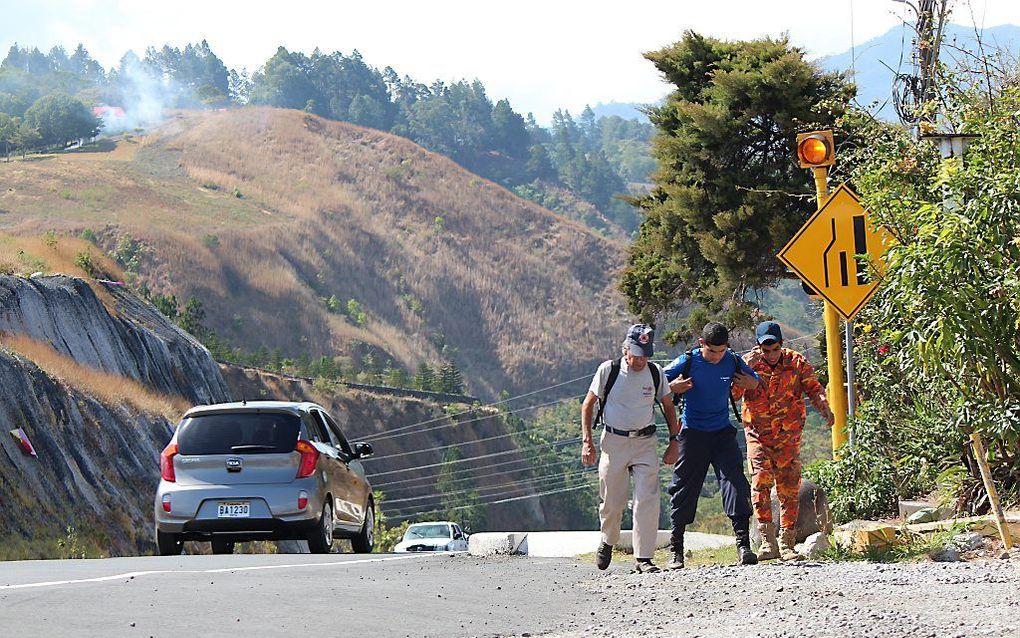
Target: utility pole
911, 91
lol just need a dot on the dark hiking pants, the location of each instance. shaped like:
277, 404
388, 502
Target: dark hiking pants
698, 450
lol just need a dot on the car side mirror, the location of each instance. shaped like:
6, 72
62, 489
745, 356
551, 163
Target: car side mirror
362, 450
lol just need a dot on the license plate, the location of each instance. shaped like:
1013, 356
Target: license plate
235, 509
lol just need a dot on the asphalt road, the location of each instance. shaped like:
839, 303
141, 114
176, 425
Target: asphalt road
278, 595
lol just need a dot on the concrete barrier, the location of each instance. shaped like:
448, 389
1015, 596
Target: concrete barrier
574, 543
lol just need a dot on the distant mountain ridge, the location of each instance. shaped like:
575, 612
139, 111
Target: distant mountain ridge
876, 62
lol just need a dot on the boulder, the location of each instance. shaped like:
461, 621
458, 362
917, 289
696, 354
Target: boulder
968, 541
814, 513
815, 545
860, 536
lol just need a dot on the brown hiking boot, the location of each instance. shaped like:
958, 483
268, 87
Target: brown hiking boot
787, 539
768, 549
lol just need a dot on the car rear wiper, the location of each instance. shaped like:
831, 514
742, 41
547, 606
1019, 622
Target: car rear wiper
251, 447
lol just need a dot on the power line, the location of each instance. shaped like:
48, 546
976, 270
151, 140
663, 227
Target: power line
474, 420
374, 437
488, 438
503, 500
531, 482
575, 439
475, 477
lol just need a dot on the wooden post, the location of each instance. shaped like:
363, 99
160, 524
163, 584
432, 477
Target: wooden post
993, 495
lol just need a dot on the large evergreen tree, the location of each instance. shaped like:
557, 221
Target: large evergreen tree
725, 198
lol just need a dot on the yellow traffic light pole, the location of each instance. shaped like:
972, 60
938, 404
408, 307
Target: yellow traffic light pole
834, 353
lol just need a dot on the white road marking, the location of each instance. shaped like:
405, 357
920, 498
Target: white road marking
127, 575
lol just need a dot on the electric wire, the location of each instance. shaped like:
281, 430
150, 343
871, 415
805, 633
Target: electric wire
474, 420
518, 484
575, 439
380, 435
496, 502
439, 448
475, 477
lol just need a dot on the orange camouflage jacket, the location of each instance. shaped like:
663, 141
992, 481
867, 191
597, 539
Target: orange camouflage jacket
775, 410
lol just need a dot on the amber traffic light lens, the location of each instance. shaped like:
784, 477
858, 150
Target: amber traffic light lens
813, 151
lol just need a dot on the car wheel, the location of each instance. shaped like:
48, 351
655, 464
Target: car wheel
320, 541
364, 542
220, 546
168, 544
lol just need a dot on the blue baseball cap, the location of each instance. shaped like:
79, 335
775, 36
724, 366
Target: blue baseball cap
640, 340
768, 332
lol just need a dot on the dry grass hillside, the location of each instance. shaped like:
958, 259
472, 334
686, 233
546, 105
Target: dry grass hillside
262, 212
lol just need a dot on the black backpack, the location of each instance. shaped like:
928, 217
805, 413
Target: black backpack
685, 372
614, 372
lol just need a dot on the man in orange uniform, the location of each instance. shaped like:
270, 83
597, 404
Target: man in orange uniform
773, 417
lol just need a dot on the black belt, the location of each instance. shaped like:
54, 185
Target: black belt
646, 431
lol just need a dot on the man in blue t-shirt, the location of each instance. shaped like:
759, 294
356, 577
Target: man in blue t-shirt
705, 376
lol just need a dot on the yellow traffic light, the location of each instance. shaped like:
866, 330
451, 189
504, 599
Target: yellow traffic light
816, 149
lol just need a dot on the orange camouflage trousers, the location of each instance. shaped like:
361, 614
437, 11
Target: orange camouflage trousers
775, 464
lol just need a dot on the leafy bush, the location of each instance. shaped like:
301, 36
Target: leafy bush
85, 260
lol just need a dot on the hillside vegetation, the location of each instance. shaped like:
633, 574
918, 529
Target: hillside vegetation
263, 214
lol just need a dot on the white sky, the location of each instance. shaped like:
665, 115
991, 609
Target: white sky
542, 55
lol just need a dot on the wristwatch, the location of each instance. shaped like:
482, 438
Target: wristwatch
675, 437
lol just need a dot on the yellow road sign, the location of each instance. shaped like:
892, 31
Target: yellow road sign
823, 252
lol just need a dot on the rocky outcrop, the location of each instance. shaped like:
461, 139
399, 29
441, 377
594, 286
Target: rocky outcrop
131, 338
97, 465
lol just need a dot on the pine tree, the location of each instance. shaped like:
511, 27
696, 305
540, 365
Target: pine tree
450, 379
725, 147
425, 378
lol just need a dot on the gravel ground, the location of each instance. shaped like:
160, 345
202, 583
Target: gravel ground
806, 599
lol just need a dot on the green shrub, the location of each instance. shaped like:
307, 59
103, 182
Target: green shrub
86, 262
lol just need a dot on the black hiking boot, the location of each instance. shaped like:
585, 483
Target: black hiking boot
677, 547
742, 532
645, 566
604, 556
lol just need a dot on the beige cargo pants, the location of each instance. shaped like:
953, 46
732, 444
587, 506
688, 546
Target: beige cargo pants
622, 458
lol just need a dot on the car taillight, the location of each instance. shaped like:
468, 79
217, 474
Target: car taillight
309, 457
166, 463
166, 502
302, 500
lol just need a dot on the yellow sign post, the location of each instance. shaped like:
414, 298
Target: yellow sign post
824, 252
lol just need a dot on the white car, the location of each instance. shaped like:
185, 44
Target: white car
433, 536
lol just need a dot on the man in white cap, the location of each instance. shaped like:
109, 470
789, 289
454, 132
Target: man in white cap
626, 391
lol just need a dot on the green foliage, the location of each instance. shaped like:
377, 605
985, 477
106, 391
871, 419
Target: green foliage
60, 119
356, 313
947, 314
192, 316
725, 143
87, 262
386, 536
128, 253
425, 377
450, 379
90, 236
166, 305
909, 546
211, 241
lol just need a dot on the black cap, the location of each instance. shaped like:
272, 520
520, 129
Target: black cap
768, 332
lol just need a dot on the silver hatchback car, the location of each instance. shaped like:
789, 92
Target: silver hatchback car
262, 470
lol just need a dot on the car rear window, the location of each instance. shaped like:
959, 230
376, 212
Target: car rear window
240, 433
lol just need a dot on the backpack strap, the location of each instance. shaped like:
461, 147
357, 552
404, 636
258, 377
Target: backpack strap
685, 372
736, 364
614, 372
